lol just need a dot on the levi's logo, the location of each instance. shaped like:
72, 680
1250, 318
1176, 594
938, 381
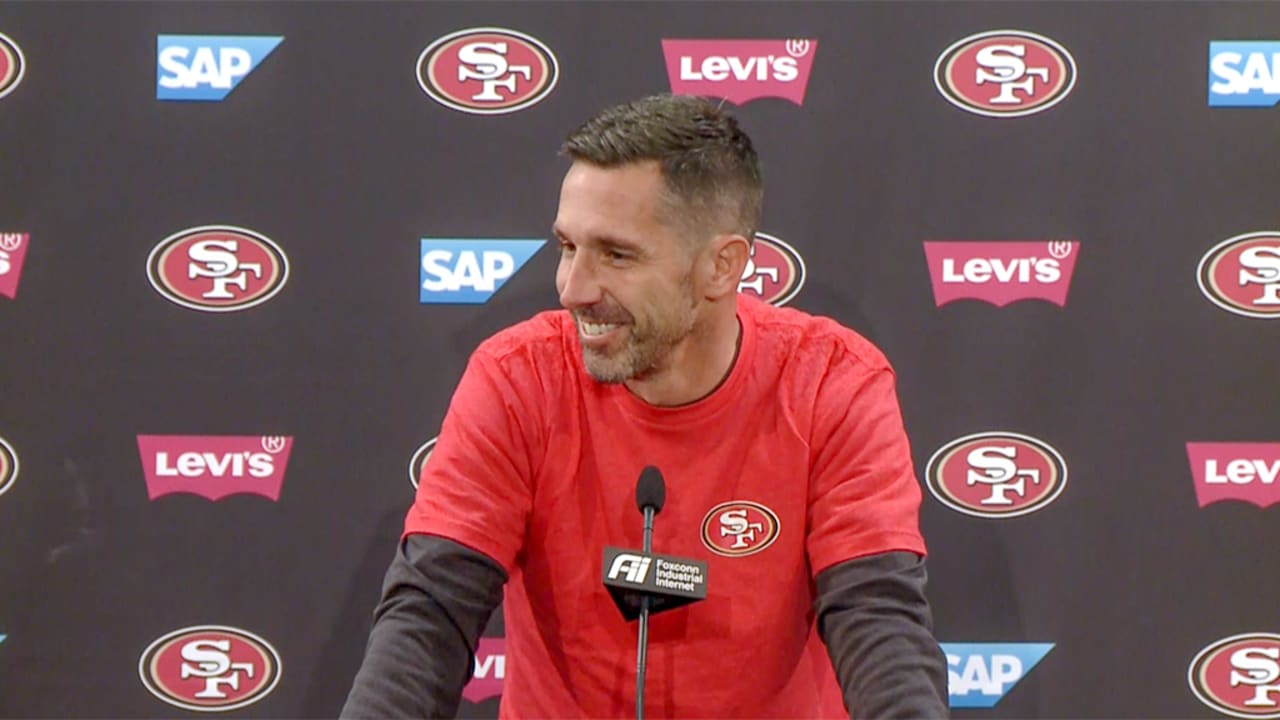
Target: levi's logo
1249, 472
214, 466
490, 670
13, 254
1001, 272
740, 70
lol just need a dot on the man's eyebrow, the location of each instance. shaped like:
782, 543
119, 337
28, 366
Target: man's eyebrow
607, 241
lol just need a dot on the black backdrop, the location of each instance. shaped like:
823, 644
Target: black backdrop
332, 150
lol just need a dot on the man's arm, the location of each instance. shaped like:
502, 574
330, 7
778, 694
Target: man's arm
436, 600
876, 623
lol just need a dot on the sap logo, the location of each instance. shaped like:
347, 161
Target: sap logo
635, 567
207, 67
2, 637
470, 271
1244, 74
980, 674
1248, 472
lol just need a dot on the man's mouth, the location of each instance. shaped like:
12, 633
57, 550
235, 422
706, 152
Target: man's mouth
594, 329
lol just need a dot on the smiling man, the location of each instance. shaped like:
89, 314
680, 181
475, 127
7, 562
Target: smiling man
657, 360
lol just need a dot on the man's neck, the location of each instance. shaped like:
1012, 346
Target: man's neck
695, 368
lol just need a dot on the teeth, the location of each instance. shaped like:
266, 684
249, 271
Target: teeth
593, 329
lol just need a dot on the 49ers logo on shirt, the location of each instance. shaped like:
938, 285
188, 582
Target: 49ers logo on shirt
8, 466
774, 272
487, 71
1242, 275
1005, 73
1239, 675
739, 527
996, 474
12, 65
217, 268
419, 459
210, 668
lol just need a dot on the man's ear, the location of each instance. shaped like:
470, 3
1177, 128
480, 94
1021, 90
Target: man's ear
728, 258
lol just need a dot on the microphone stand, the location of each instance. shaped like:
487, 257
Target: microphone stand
642, 645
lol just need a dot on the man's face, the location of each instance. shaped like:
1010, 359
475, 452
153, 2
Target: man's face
626, 277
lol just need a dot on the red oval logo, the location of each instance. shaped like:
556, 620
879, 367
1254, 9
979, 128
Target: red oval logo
210, 668
774, 271
420, 457
1005, 73
487, 71
12, 65
739, 527
996, 474
1242, 275
1239, 675
217, 268
8, 466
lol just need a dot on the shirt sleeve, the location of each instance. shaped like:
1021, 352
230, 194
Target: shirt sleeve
863, 494
476, 487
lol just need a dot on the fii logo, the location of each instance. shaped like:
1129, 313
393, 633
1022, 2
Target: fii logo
1239, 675
207, 67
214, 466
13, 254
1235, 471
455, 271
1001, 272
980, 674
740, 70
1244, 74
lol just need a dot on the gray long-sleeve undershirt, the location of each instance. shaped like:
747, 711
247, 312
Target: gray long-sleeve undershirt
438, 595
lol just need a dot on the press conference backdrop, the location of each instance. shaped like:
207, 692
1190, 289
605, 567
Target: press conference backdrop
246, 250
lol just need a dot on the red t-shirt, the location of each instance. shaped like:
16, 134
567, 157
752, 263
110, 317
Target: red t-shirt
536, 467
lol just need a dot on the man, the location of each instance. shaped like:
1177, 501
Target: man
657, 360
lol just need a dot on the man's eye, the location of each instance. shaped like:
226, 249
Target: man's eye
615, 255
566, 247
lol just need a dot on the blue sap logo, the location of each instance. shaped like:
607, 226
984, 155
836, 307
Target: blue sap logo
1244, 74
207, 67
470, 271
979, 674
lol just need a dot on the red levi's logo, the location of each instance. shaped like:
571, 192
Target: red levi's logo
1239, 675
1001, 272
1005, 73
1242, 275
740, 70
217, 268
13, 254
774, 271
996, 474
490, 671
214, 466
487, 71
1249, 472
210, 668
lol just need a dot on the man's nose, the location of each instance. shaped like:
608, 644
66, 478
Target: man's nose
579, 286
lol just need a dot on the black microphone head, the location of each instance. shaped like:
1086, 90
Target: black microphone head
651, 490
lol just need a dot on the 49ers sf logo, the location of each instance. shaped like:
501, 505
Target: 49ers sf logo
487, 71
419, 459
1239, 675
1242, 275
8, 466
996, 474
739, 527
12, 65
1005, 73
774, 271
210, 668
217, 268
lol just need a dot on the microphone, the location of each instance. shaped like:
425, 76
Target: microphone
636, 591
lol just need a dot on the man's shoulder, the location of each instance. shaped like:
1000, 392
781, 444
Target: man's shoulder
540, 339
805, 339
